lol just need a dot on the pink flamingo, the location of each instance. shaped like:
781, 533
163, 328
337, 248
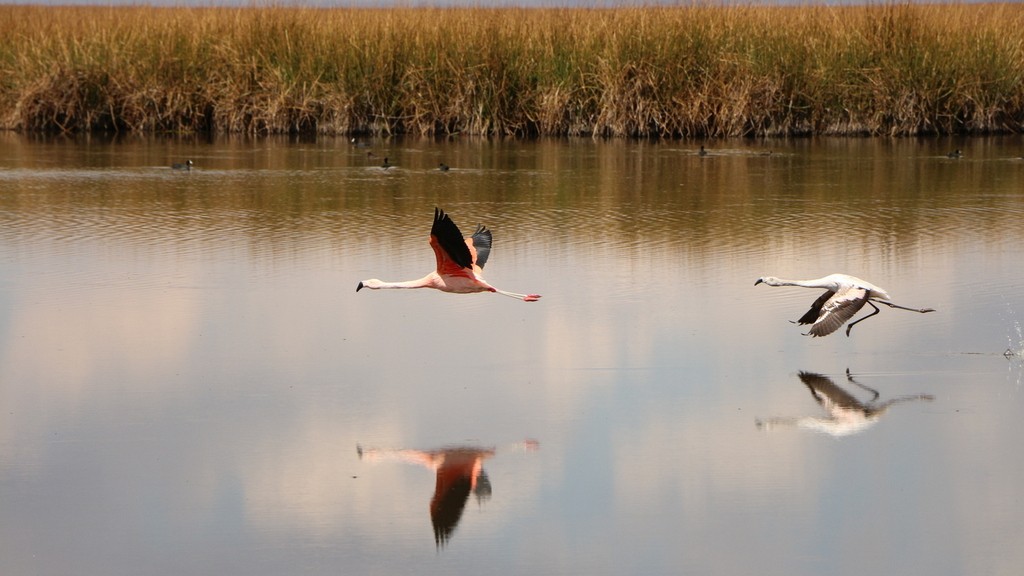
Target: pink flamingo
460, 262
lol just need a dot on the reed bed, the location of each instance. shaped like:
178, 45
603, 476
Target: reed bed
683, 71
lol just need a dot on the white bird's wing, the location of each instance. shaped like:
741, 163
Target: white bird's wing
842, 306
811, 316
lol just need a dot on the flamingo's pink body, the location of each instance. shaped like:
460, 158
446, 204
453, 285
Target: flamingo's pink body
460, 262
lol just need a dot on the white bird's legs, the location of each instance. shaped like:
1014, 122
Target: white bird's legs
851, 324
890, 305
921, 310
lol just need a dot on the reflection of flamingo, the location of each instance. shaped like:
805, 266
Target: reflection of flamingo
460, 262
845, 295
847, 414
459, 471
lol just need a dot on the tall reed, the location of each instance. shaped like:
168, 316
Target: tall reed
694, 70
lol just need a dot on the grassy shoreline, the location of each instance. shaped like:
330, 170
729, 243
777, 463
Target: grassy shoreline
694, 71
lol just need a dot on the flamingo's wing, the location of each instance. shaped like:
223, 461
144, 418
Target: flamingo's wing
842, 306
449, 247
481, 241
811, 316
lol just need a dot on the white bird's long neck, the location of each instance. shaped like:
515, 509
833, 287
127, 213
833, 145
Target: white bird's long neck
802, 283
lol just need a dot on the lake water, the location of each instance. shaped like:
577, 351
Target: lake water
190, 384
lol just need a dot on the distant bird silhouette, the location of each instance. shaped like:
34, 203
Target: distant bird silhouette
955, 154
844, 296
186, 165
385, 165
442, 167
460, 262
702, 152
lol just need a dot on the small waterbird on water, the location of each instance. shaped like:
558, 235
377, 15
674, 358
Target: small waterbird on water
186, 165
442, 167
844, 296
460, 262
955, 154
386, 164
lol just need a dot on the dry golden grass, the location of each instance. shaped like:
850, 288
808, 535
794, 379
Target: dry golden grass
641, 72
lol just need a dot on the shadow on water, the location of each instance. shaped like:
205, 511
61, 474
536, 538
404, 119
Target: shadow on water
459, 472
847, 414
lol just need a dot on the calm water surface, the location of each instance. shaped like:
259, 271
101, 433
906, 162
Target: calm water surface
190, 384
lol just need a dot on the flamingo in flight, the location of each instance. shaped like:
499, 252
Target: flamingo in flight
844, 296
460, 262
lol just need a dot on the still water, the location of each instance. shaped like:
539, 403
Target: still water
190, 384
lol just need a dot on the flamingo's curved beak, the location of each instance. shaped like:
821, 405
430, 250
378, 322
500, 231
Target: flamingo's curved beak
359, 287
759, 280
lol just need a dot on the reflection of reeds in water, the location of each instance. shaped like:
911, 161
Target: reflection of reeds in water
669, 71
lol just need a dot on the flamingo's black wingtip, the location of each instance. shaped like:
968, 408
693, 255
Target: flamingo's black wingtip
440, 215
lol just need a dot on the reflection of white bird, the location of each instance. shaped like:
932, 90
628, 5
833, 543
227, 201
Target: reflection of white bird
844, 296
846, 414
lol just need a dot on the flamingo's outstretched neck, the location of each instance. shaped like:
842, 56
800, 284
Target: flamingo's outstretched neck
375, 284
523, 297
